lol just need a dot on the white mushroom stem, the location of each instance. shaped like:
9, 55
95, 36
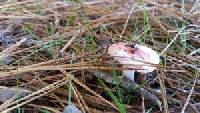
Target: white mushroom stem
134, 57
130, 74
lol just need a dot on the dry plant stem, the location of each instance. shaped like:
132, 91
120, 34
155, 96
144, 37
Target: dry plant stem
28, 96
7, 52
53, 95
7, 103
193, 110
78, 99
131, 11
108, 16
158, 22
14, 4
35, 95
194, 6
45, 107
21, 17
177, 81
68, 44
163, 92
32, 98
25, 49
67, 67
173, 40
81, 99
82, 61
91, 91
188, 98
59, 60
27, 101
160, 95
183, 6
94, 93
194, 52
143, 105
182, 63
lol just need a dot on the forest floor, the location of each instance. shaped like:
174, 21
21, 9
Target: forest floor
54, 57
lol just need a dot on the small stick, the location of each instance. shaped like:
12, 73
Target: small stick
189, 96
183, 6
174, 39
81, 99
7, 52
78, 99
143, 106
194, 52
68, 44
127, 20
91, 91
82, 60
163, 92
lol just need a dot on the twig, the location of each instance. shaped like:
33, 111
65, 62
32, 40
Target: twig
78, 99
163, 92
127, 20
8, 51
173, 40
183, 6
189, 96
45, 107
35, 95
82, 61
91, 91
143, 106
195, 6
194, 52
94, 93
68, 44
81, 99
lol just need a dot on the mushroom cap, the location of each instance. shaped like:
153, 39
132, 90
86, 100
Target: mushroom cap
140, 57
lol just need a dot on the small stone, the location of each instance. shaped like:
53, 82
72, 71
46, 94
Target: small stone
71, 109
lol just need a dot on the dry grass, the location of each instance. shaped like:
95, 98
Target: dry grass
72, 38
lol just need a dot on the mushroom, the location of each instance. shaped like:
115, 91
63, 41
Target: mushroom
136, 57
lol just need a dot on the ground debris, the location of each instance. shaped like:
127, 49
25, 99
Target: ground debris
8, 93
71, 109
82, 31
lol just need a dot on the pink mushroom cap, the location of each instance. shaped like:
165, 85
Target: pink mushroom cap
140, 57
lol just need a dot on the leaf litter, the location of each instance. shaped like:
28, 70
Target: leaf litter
32, 34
